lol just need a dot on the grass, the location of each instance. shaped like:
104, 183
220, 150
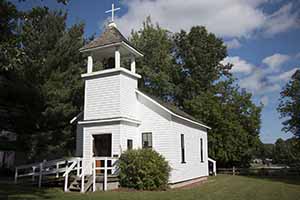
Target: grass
223, 187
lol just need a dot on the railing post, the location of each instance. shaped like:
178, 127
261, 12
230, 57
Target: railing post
40, 175
16, 175
66, 182
82, 180
94, 175
66, 177
57, 168
78, 167
33, 173
105, 173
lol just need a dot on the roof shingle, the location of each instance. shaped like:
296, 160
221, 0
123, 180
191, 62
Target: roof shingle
110, 36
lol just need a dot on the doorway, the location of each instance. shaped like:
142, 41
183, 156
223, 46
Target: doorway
102, 148
102, 145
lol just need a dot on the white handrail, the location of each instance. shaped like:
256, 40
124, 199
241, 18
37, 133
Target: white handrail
69, 169
105, 168
66, 166
45, 168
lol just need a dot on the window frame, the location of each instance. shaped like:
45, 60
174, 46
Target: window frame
129, 146
182, 148
201, 150
148, 138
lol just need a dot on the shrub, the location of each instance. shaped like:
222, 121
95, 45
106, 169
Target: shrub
143, 169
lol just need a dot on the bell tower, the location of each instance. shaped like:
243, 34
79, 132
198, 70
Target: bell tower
110, 92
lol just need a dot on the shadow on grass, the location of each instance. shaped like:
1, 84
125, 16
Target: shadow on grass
293, 180
18, 192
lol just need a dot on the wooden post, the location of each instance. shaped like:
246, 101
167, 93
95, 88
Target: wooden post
117, 58
233, 170
78, 167
132, 64
57, 167
66, 182
40, 176
90, 64
16, 175
94, 175
33, 173
215, 168
66, 177
82, 180
105, 174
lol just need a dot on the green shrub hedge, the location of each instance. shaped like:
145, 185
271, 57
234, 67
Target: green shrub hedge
143, 169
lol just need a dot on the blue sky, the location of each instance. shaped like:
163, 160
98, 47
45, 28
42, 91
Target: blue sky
262, 37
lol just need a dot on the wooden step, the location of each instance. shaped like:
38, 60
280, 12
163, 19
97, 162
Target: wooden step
75, 186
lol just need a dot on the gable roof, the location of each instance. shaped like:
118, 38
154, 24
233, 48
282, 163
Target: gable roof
110, 36
173, 110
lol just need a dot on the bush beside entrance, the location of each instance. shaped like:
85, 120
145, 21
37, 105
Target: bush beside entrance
143, 169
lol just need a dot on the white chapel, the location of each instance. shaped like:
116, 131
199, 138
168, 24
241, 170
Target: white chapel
117, 116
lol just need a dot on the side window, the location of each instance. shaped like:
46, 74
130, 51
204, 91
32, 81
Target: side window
201, 149
147, 140
129, 144
182, 148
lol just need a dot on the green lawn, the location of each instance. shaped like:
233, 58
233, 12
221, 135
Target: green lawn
222, 187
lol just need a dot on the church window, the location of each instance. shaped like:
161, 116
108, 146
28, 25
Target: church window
147, 140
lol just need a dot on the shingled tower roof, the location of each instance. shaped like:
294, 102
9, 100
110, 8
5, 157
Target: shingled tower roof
110, 36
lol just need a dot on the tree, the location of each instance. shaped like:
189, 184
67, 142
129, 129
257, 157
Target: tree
9, 52
45, 85
187, 72
52, 67
156, 66
198, 54
287, 152
289, 106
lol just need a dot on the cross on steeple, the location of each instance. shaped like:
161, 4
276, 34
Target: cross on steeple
113, 9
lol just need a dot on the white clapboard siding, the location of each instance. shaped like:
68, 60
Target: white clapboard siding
158, 122
166, 132
193, 167
128, 85
110, 96
129, 131
102, 97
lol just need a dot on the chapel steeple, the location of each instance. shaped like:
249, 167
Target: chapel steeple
110, 47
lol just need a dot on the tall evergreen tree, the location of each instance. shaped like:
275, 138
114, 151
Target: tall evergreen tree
52, 68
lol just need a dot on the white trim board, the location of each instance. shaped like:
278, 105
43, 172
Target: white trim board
110, 71
117, 119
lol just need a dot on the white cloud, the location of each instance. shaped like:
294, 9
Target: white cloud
269, 79
275, 61
282, 20
285, 76
239, 65
258, 83
261, 80
233, 44
264, 100
228, 18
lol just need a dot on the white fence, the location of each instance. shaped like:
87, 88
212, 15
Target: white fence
63, 167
